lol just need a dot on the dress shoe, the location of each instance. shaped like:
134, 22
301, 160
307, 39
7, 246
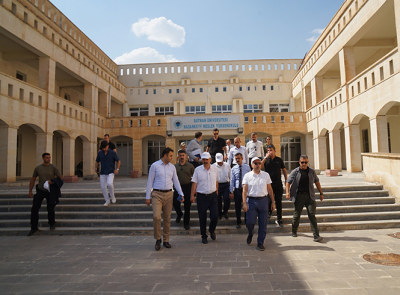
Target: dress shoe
294, 234
204, 241
32, 232
318, 238
260, 247
52, 227
226, 216
238, 226
249, 238
213, 236
178, 218
186, 226
158, 245
166, 245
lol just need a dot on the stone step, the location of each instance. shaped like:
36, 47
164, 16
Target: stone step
105, 213
221, 229
148, 222
140, 200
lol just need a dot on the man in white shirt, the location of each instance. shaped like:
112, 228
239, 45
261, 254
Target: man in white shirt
237, 149
228, 148
162, 176
205, 185
254, 147
224, 172
256, 187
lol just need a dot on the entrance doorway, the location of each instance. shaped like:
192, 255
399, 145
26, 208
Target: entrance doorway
291, 151
154, 150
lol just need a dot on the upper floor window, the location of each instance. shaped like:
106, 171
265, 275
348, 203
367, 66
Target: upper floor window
201, 89
282, 107
216, 89
170, 90
217, 109
224, 89
193, 90
142, 111
164, 111
264, 87
195, 109
252, 108
240, 88
177, 90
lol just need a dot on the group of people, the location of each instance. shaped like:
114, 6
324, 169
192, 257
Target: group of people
220, 174
211, 179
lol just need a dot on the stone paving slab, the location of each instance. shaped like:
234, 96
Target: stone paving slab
129, 264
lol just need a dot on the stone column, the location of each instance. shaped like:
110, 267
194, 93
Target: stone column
335, 150
103, 103
347, 65
88, 97
44, 144
137, 155
317, 90
170, 142
277, 144
379, 132
68, 156
353, 148
89, 156
310, 150
8, 154
320, 153
47, 74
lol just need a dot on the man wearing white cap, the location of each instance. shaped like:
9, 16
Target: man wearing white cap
256, 187
205, 185
224, 173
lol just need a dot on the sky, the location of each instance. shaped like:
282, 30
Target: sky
146, 31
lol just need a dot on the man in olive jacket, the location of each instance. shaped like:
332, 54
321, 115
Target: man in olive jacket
300, 190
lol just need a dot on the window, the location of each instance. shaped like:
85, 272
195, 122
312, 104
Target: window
21, 76
195, 109
193, 90
240, 88
254, 119
282, 119
246, 119
147, 91
264, 87
141, 111
216, 89
154, 91
248, 88
282, 107
14, 8
177, 90
67, 96
224, 89
365, 140
272, 87
252, 108
218, 109
164, 111
201, 89
158, 122
81, 103
170, 90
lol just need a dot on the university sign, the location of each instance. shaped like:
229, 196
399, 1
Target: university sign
205, 122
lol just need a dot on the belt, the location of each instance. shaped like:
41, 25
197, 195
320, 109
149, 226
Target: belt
256, 197
207, 194
223, 182
162, 190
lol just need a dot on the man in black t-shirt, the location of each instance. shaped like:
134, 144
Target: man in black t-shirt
275, 166
216, 145
111, 146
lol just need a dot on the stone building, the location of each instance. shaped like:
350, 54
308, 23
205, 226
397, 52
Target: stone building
60, 93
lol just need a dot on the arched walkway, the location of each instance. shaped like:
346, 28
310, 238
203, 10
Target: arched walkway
384, 129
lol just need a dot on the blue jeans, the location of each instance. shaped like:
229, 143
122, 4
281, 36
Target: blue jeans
257, 207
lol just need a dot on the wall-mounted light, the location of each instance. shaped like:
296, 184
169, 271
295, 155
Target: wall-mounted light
240, 130
169, 133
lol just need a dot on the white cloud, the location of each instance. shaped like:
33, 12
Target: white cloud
144, 55
317, 31
312, 39
160, 30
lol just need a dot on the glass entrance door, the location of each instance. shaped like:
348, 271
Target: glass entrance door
154, 150
291, 151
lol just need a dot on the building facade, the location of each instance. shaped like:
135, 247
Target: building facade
60, 93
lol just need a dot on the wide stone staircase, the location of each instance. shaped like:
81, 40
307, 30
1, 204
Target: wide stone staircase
365, 206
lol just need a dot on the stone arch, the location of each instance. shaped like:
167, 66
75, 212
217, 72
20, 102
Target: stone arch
27, 157
387, 137
62, 155
79, 154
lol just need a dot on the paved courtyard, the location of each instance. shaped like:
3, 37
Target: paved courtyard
125, 264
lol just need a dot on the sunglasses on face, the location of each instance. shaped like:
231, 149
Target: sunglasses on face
304, 162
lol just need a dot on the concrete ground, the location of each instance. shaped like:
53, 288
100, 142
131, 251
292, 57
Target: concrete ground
125, 264
125, 184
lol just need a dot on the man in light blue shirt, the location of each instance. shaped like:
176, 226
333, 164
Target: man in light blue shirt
162, 176
237, 174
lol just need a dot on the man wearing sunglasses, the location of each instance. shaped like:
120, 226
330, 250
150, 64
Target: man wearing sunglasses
300, 190
256, 187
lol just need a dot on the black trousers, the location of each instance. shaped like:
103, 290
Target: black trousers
186, 189
37, 203
204, 203
223, 194
237, 194
278, 191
